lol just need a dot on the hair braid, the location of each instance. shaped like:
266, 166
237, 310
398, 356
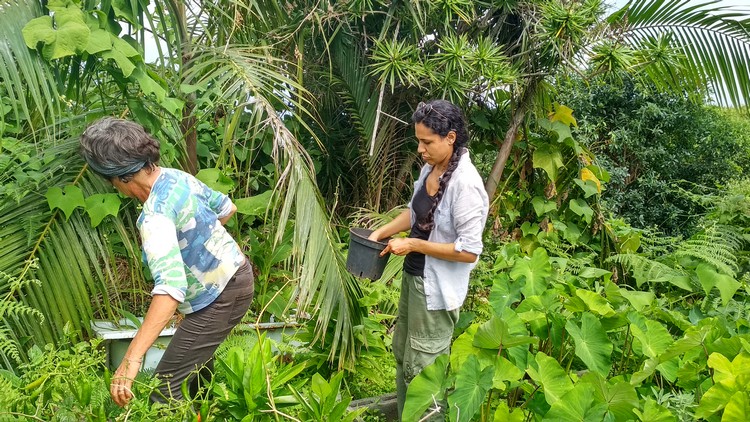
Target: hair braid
442, 117
429, 223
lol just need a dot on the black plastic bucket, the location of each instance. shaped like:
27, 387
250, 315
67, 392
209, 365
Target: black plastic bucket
364, 258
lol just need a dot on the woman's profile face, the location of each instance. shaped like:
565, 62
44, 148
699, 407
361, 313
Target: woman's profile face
434, 149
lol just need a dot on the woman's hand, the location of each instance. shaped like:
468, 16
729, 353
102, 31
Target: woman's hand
121, 388
400, 246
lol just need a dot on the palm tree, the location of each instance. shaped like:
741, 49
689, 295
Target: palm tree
677, 45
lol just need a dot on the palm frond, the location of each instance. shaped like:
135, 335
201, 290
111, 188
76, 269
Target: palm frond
714, 42
70, 262
251, 81
26, 80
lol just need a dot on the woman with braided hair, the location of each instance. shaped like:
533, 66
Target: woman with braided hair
445, 217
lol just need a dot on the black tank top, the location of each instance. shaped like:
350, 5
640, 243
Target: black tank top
420, 205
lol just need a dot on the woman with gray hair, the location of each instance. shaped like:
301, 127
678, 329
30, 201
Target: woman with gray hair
197, 267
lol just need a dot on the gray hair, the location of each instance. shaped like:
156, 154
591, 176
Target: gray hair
118, 148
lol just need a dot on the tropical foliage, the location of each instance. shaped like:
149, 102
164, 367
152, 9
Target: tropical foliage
300, 112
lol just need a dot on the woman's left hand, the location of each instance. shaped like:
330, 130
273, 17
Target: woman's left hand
121, 388
399, 246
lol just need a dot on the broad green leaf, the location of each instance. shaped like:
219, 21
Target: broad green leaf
425, 388
98, 41
472, 384
589, 176
553, 379
710, 278
595, 302
652, 337
621, 397
503, 414
61, 36
543, 206
67, 199
579, 404
561, 129
463, 347
494, 333
727, 286
255, 205
534, 271
147, 83
101, 205
504, 293
215, 179
638, 300
592, 344
588, 187
593, 273
505, 371
549, 158
716, 398
581, 209
654, 412
738, 408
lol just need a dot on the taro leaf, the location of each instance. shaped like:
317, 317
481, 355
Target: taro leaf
503, 414
543, 206
534, 271
730, 378
462, 348
593, 273
581, 209
494, 333
553, 379
654, 412
255, 205
67, 199
101, 205
61, 36
504, 293
579, 404
592, 344
638, 300
472, 384
549, 158
694, 337
425, 388
620, 398
738, 408
654, 339
716, 398
215, 179
505, 371
595, 302
709, 277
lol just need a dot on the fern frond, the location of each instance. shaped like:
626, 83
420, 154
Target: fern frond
716, 245
8, 345
645, 269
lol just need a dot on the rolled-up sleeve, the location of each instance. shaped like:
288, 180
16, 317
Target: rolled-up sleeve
162, 254
469, 211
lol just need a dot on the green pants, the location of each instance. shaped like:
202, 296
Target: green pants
420, 337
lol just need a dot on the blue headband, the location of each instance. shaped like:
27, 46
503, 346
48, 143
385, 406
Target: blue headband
110, 170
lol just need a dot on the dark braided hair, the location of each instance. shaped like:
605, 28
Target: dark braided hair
442, 117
